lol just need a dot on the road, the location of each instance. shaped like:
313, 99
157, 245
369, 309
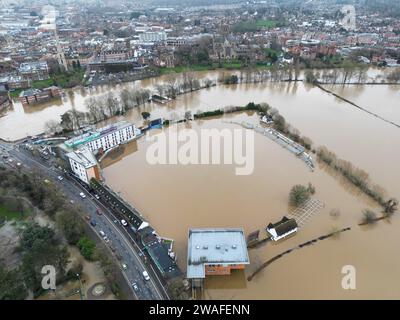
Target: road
120, 241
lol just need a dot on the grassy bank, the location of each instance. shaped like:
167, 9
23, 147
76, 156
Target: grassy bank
6, 214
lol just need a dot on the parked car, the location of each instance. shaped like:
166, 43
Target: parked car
146, 276
124, 223
60, 178
134, 286
83, 196
87, 217
93, 223
97, 196
98, 212
124, 266
104, 236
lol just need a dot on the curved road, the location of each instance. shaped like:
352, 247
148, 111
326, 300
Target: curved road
120, 241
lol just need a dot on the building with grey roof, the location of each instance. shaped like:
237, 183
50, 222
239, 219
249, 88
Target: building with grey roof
216, 251
84, 164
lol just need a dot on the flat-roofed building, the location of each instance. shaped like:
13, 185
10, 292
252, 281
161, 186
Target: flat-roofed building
106, 137
84, 164
216, 251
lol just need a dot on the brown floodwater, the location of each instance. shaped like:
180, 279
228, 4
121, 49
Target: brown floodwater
174, 198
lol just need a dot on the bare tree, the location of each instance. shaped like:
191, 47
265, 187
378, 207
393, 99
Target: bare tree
52, 127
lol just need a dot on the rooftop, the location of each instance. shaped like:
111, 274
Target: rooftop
215, 246
93, 134
283, 226
84, 157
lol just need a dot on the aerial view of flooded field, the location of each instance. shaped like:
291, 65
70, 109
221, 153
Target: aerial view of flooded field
192, 196
210, 156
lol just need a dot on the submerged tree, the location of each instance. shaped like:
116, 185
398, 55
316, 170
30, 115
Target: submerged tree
298, 195
368, 217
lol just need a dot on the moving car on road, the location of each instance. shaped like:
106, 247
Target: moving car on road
146, 276
135, 287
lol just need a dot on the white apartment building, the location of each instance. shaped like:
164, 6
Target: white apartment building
84, 165
105, 138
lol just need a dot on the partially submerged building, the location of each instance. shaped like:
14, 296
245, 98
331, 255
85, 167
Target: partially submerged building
215, 251
33, 96
282, 229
